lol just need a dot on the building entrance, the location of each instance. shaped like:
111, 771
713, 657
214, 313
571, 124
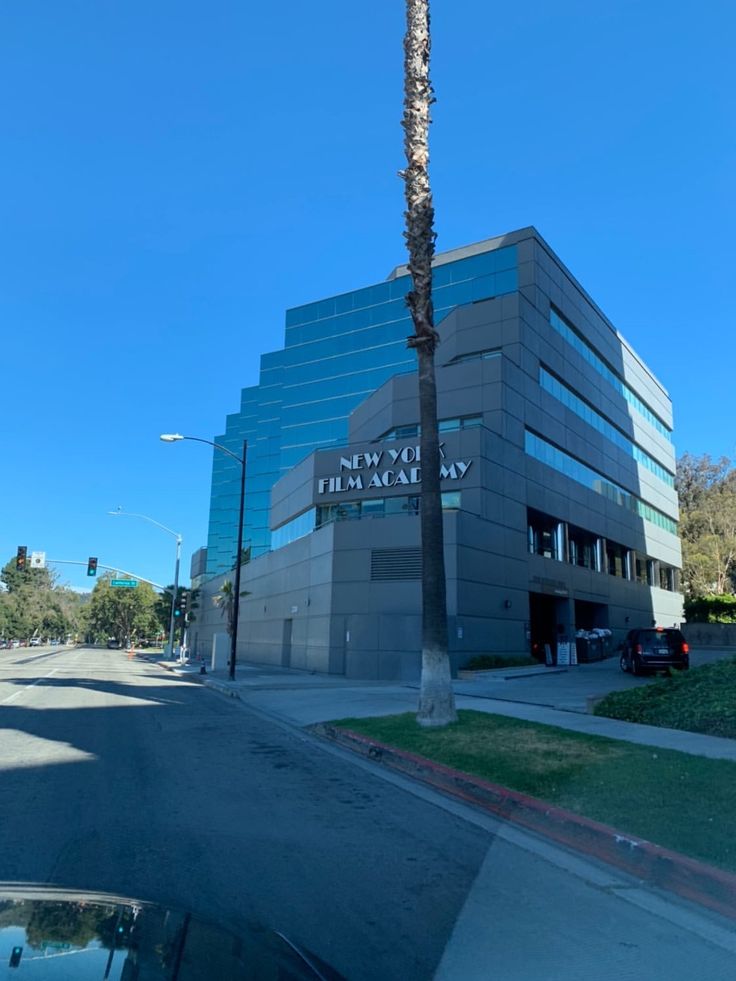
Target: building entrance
548, 618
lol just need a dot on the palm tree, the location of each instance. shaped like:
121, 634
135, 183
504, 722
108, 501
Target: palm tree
436, 697
225, 600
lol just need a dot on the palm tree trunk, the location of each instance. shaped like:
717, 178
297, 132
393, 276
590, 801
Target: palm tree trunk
436, 698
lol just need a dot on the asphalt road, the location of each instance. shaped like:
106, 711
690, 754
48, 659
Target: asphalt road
116, 776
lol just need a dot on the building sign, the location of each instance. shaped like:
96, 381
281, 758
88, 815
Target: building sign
395, 467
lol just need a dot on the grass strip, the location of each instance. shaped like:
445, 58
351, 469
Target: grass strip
686, 803
700, 700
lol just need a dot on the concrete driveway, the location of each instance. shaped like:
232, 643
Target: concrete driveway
571, 689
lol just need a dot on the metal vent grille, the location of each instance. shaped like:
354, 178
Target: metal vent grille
396, 563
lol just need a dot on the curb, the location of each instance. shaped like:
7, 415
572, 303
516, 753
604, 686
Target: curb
220, 686
686, 877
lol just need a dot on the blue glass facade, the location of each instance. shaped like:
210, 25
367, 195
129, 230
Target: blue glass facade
337, 351
581, 408
556, 458
566, 330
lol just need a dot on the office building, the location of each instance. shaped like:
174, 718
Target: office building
557, 474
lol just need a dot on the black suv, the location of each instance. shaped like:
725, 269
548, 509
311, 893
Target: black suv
653, 649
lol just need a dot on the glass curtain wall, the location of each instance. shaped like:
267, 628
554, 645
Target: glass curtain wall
337, 352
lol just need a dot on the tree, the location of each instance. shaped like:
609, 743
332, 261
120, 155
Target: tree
125, 614
33, 605
436, 697
707, 493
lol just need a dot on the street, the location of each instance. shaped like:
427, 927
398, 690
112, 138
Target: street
118, 776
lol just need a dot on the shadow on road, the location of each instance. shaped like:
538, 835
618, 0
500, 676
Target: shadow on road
110, 687
180, 797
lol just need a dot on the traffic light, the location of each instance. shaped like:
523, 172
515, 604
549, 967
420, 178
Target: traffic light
20, 559
91, 566
181, 603
15, 956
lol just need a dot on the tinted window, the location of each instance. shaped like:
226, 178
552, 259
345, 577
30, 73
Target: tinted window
660, 638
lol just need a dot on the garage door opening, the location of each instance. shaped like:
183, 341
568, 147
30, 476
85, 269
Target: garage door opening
547, 616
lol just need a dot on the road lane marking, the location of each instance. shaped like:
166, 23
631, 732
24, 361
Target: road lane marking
26, 687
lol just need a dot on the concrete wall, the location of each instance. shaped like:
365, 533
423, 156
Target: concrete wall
710, 634
285, 616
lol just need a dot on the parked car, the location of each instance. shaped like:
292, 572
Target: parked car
113, 644
654, 649
35, 642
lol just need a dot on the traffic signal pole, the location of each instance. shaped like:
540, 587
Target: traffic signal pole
109, 568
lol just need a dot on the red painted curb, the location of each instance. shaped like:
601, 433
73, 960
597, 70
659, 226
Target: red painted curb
686, 877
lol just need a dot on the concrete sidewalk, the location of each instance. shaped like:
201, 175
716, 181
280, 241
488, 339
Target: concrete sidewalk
302, 699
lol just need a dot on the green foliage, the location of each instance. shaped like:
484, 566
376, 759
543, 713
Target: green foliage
487, 662
15, 580
33, 605
663, 796
163, 604
699, 700
125, 614
711, 609
707, 493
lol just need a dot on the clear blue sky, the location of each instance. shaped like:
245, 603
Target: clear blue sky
175, 174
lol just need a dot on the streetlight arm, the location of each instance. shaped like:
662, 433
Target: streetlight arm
131, 514
217, 446
175, 437
175, 591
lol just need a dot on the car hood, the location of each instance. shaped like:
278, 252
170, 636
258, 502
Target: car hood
80, 935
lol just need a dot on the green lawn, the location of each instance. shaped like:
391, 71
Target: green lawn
682, 802
700, 700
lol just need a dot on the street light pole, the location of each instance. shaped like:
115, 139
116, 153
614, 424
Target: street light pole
238, 559
177, 536
174, 438
174, 596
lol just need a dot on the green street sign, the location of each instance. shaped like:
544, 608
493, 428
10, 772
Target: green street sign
130, 583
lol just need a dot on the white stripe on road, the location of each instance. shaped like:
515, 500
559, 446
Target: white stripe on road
26, 687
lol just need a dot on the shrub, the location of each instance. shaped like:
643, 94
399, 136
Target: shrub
711, 609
